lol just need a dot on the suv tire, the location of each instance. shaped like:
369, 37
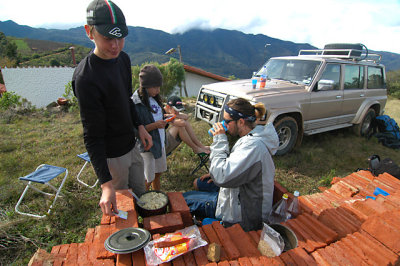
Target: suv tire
364, 127
287, 131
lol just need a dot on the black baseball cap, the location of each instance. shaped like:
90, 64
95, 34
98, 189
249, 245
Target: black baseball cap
107, 18
176, 103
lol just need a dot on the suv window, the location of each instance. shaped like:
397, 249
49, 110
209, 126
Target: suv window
298, 71
330, 79
353, 77
375, 78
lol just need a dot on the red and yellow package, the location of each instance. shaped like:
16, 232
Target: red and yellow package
172, 245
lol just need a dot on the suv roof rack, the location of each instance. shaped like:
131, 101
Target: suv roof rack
352, 54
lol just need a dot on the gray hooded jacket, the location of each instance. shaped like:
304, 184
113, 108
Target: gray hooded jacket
246, 176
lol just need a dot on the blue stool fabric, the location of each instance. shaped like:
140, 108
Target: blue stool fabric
44, 174
84, 156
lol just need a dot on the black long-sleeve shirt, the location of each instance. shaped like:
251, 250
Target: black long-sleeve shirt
109, 118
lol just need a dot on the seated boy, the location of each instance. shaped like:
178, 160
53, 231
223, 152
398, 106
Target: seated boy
180, 129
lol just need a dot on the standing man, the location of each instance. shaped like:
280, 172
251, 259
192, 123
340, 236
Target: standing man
102, 82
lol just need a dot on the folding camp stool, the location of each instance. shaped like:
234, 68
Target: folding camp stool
203, 162
43, 174
85, 156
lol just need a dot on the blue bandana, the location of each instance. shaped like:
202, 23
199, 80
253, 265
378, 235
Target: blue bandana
237, 115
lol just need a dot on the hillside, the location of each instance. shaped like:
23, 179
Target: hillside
224, 52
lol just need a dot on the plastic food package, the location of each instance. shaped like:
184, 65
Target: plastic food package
173, 245
271, 243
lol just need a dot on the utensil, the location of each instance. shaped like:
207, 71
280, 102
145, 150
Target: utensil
137, 198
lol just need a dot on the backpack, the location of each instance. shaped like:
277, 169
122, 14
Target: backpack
389, 132
387, 124
377, 167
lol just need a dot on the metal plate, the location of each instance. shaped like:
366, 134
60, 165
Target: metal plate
127, 240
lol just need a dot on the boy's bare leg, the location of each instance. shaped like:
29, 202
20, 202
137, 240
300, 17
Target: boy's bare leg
193, 136
184, 136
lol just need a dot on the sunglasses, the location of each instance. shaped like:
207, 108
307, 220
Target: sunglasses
227, 121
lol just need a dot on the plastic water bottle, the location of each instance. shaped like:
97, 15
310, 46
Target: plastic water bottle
254, 80
211, 130
293, 209
263, 78
279, 211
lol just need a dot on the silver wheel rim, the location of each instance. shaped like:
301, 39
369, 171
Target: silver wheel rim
284, 135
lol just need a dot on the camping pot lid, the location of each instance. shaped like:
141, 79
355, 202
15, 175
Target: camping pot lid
127, 240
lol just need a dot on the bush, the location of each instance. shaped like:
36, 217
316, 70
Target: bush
72, 100
9, 100
173, 75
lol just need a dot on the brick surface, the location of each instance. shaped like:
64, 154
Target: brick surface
255, 236
162, 224
189, 259
101, 235
132, 221
125, 200
323, 232
55, 249
287, 259
378, 247
243, 241
139, 259
200, 256
244, 261
124, 260
329, 219
301, 256
72, 255
177, 203
83, 252
179, 261
308, 235
213, 238
227, 242
382, 229
89, 235
271, 261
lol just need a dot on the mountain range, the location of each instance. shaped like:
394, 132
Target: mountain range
220, 51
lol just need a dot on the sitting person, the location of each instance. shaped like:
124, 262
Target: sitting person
180, 129
244, 175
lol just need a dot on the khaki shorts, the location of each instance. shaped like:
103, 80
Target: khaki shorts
127, 171
153, 166
172, 143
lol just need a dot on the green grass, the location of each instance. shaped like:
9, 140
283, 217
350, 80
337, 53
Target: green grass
55, 137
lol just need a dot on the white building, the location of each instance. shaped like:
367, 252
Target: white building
44, 85
195, 78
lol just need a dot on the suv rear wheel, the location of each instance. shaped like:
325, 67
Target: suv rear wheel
287, 131
364, 127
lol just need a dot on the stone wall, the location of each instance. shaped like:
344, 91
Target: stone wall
41, 86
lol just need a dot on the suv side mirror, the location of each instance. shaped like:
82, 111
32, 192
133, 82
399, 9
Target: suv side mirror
325, 85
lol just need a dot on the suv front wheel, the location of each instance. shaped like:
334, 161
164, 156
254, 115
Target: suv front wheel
287, 131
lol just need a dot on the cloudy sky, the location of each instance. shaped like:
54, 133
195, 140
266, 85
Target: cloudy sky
375, 23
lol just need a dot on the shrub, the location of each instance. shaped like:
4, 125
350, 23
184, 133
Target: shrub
9, 100
72, 100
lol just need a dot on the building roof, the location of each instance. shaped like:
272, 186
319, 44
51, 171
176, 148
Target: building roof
204, 73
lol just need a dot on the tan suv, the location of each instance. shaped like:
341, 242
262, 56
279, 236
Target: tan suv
339, 86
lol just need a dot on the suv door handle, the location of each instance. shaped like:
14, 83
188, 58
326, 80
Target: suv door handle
362, 95
338, 96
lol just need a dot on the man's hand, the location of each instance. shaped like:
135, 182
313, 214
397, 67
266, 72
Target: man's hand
145, 138
206, 176
218, 129
108, 201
